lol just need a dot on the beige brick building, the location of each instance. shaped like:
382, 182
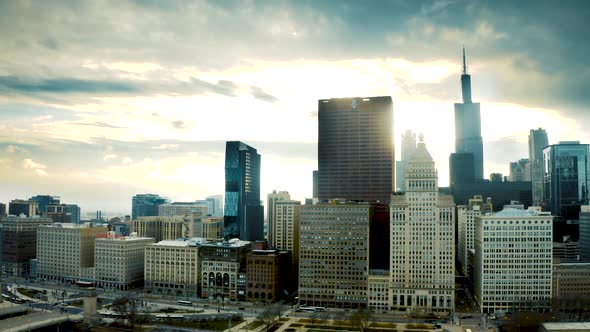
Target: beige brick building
286, 223
164, 228
119, 261
66, 251
172, 267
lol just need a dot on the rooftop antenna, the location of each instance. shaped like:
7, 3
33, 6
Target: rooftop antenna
464, 62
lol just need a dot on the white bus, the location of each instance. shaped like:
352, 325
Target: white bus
306, 309
183, 302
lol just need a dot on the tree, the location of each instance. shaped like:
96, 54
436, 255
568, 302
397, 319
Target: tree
128, 310
362, 319
270, 316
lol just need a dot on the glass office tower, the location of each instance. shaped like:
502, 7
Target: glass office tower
243, 214
355, 149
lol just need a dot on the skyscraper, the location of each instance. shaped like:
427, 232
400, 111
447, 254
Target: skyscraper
468, 125
566, 178
537, 142
520, 170
422, 250
217, 205
243, 214
355, 148
271, 201
408, 149
16, 207
146, 205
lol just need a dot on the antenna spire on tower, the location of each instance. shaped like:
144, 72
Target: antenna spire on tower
464, 62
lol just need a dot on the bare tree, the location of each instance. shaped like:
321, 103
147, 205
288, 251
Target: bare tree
362, 319
270, 316
127, 309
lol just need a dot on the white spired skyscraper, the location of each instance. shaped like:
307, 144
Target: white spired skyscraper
422, 240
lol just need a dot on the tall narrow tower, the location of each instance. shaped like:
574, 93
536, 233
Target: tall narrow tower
468, 124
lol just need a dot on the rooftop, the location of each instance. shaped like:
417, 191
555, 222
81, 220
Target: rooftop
518, 213
569, 326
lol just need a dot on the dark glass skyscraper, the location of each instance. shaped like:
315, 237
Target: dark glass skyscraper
243, 214
146, 205
566, 178
468, 125
355, 148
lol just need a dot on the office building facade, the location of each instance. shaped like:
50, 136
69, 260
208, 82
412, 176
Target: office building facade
172, 267
65, 252
243, 214
422, 236
566, 176
466, 229
164, 228
334, 254
146, 205
271, 201
355, 149
537, 142
468, 125
268, 274
221, 265
29, 208
19, 244
119, 261
286, 223
513, 260
584, 240
178, 209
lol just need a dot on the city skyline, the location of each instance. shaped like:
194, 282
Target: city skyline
96, 111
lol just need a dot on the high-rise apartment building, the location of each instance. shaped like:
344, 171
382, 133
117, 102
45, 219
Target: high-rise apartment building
513, 260
173, 267
408, 149
243, 214
355, 149
146, 205
468, 125
29, 208
178, 209
221, 265
19, 243
334, 254
271, 201
119, 261
285, 227
422, 241
537, 142
66, 251
466, 229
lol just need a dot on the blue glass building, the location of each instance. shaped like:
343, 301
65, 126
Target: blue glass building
243, 214
146, 205
566, 178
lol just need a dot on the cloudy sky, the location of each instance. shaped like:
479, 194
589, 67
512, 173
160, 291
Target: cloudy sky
100, 100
